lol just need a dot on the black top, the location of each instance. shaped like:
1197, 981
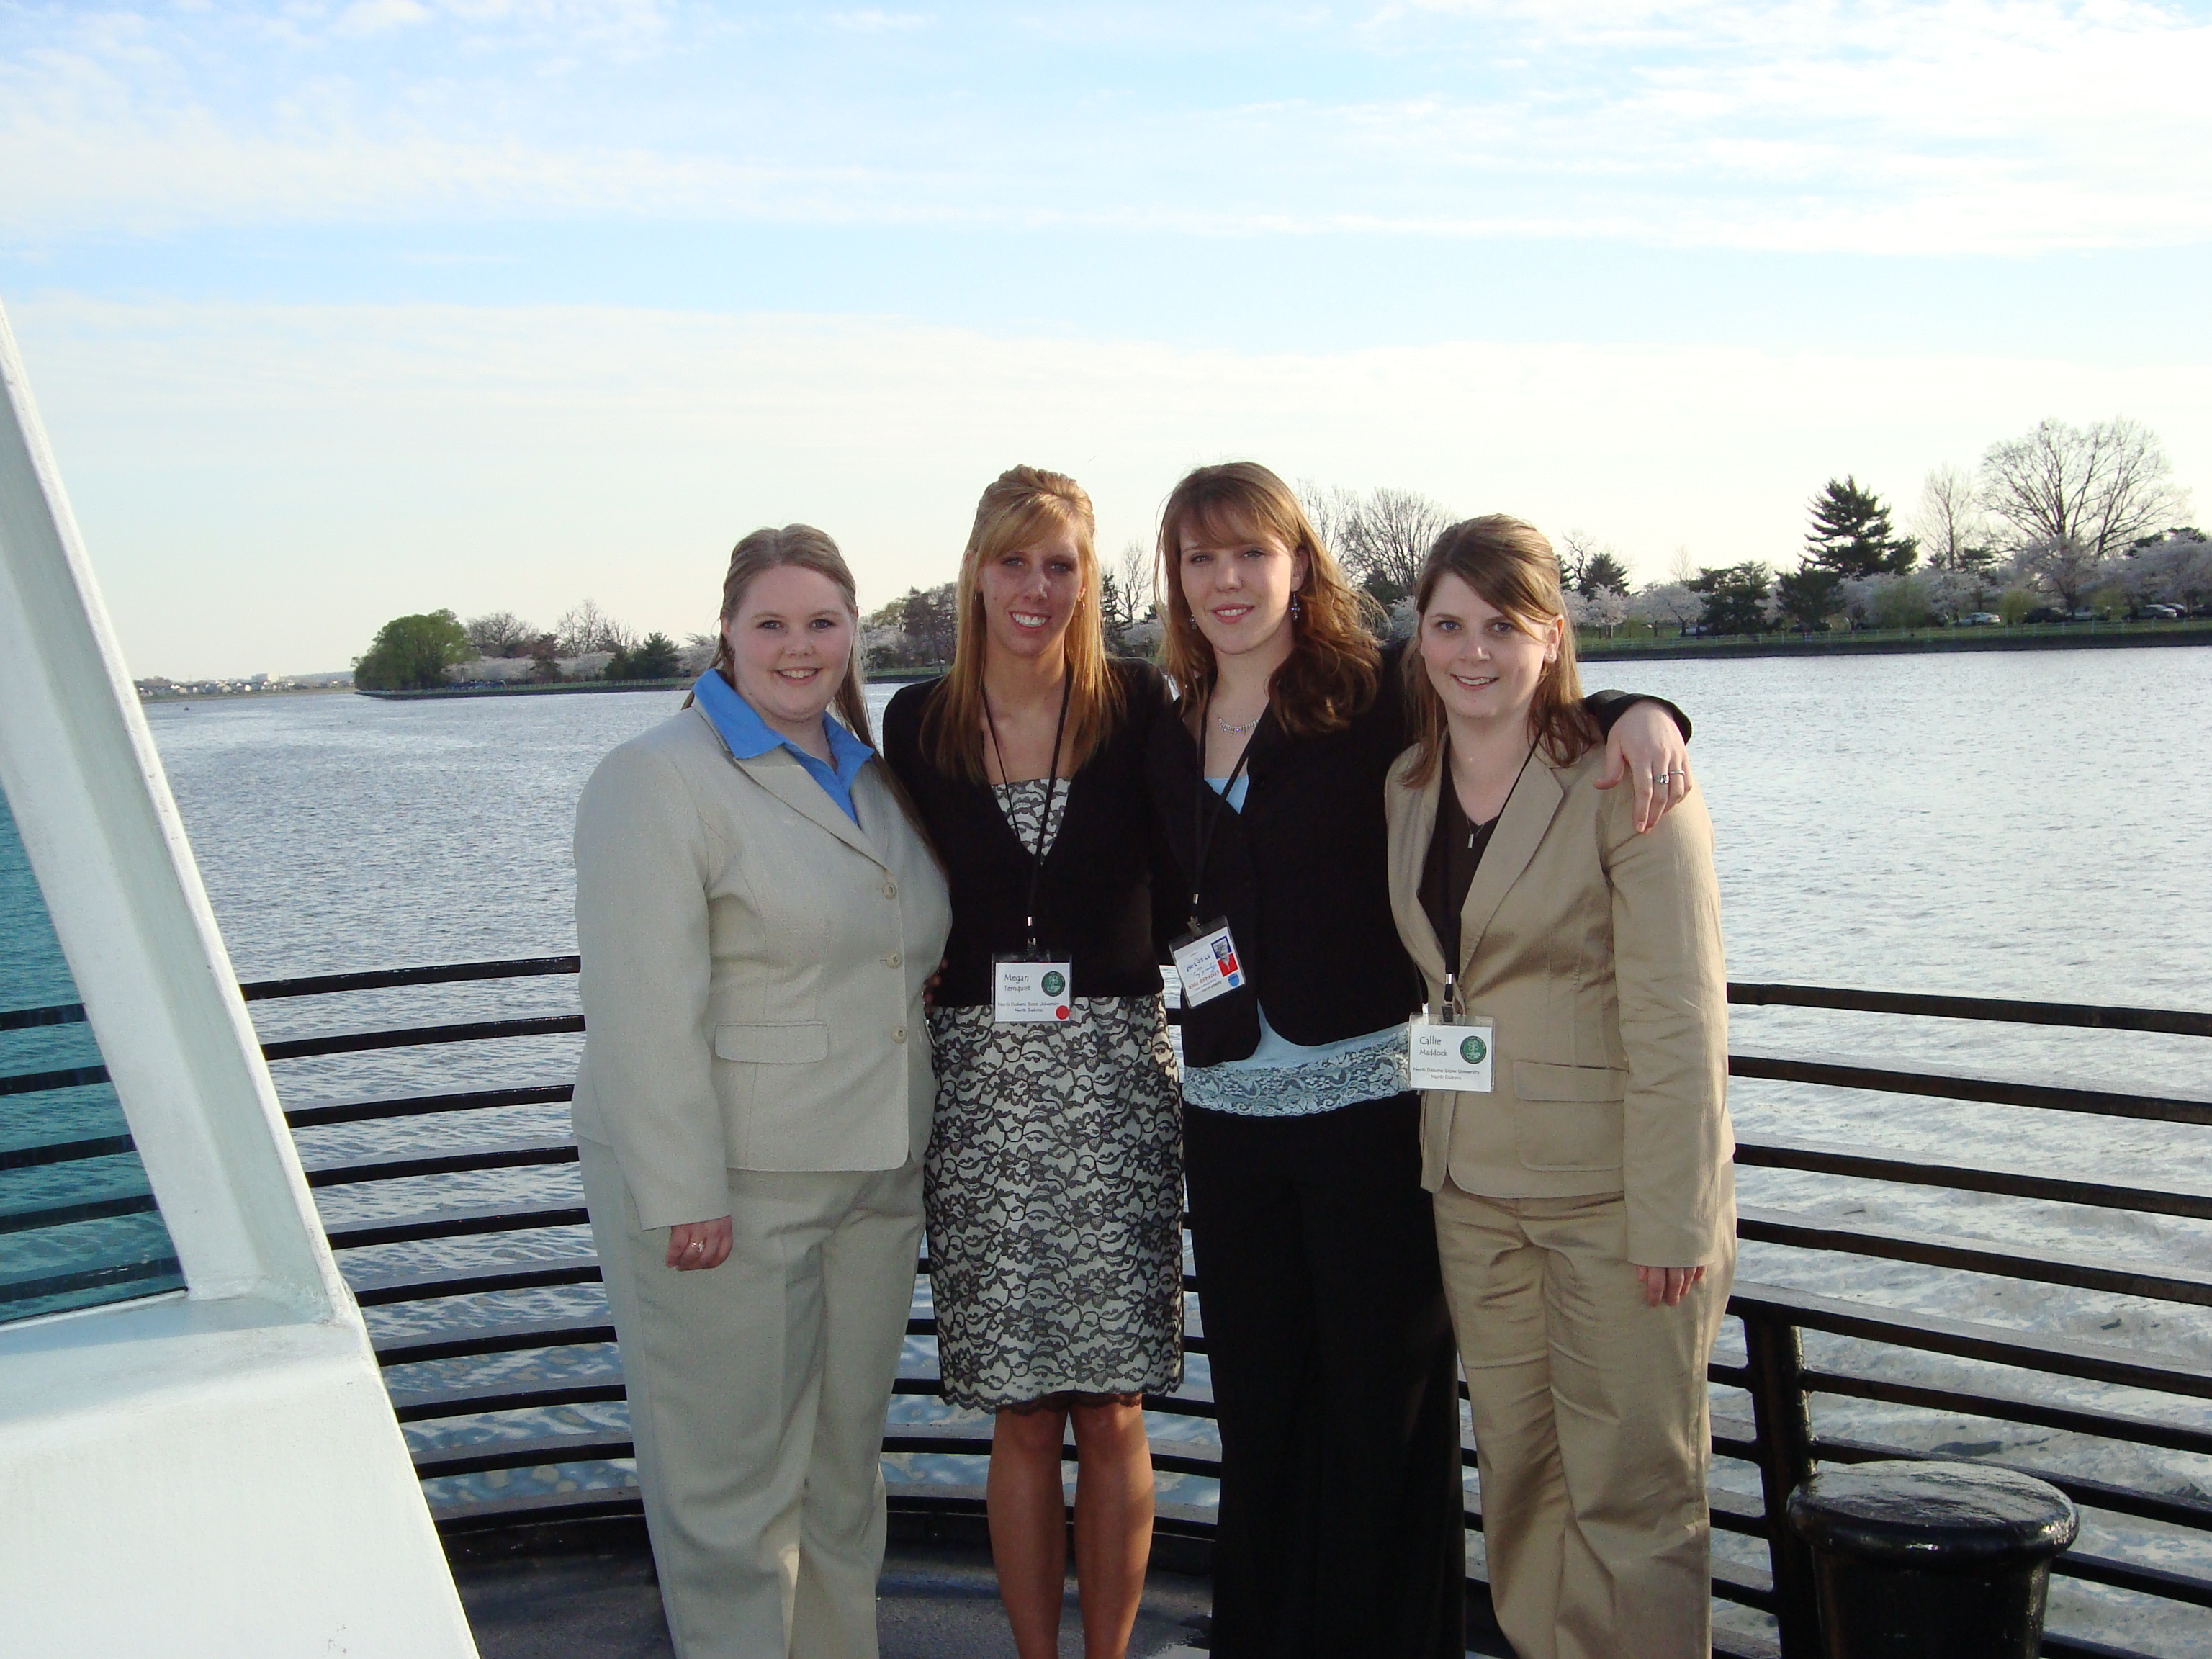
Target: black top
1302, 874
1455, 850
1095, 897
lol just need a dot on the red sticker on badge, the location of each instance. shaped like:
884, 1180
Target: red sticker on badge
1061, 1012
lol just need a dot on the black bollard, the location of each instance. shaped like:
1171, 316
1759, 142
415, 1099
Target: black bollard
1932, 1560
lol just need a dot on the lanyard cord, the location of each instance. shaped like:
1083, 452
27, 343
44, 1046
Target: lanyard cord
1202, 827
1044, 823
1451, 921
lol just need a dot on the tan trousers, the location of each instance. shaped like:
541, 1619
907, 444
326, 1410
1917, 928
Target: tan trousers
1591, 1427
757, 1391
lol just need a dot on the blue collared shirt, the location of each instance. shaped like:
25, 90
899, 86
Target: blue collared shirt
750, 737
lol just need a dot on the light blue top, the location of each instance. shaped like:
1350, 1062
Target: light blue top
1296, 1079
750, 737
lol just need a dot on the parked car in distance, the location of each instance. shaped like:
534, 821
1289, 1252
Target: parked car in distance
2046, 613
2161, 613
2085, 614
1980, 619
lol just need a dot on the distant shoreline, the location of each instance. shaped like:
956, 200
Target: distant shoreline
2058, 636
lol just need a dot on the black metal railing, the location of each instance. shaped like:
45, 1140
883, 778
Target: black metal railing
1783, 1441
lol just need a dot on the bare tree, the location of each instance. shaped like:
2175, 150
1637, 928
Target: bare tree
587, 628
1135, 575
2095, 488
1336, 512
1949, 522
500, 633
1389, 539
1586, 564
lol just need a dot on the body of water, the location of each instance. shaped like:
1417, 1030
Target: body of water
2012, 824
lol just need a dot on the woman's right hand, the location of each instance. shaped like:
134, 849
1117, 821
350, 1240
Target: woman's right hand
696, 1244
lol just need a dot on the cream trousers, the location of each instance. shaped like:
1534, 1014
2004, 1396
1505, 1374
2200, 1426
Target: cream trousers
1590, 1426
757, 1391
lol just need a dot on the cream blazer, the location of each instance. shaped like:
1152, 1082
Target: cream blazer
753, 966
1597, 953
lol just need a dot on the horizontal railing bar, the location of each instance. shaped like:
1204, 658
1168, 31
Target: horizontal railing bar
430, 1404
1758, 1597
478, 1456
2175, 1022
450, 1224
373, 1109
1997, 1091
2080, 1647
24, 1019
88, 1278
423, 1036
1931, 1334
2128, 1576
40, 1155
2096, 1494
478, 1281
1894, 1244
64, 1215
1884, 1165
402, 1166
386, 979
2007, 1408
419, 1348
38, 1082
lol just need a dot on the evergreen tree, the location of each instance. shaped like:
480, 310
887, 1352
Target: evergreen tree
1733, 599
656, 658
1807, 595
1852, 534
412, 654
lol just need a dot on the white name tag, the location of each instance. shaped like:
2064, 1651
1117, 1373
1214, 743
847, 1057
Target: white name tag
1028, 993
1453, 1055
1205, 961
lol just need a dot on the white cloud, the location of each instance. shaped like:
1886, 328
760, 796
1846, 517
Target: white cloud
374, 16
261, 487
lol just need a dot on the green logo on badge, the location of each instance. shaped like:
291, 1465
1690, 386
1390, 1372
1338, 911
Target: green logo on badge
1053, 985
1473, 1051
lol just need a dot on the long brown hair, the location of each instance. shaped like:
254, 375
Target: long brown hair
1510, 564
808, 549
1020, 504
1334, 662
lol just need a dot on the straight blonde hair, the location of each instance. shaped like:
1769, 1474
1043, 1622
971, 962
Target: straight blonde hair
1510, 564
1334, 663
807, 548
1022, 503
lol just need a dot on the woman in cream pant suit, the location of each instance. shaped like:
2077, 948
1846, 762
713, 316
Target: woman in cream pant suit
1585, 1206
753, 961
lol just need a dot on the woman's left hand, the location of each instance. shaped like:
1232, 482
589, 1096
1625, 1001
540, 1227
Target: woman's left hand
1647, 747
1667, 1285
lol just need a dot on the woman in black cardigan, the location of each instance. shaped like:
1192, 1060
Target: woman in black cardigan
1328, 1337
1054, 1180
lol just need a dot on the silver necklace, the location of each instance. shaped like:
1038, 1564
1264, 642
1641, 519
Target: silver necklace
1239, 731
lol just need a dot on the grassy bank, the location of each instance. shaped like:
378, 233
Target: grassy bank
2049, 636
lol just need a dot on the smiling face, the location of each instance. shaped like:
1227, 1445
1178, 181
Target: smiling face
789, 641
1030, 591
1484, 663
1238, 586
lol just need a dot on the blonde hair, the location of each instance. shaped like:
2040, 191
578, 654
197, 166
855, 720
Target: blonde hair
1334, 662
803, 546
1510, 563
1021, 504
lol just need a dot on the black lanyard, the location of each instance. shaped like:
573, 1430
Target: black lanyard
1201, 826
1447, 919
1051, 789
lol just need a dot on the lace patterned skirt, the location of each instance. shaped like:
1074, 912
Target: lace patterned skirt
1053, 1186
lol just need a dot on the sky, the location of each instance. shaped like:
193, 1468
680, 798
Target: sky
339, 312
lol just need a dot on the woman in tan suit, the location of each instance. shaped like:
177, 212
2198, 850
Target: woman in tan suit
756, 916
1580, 1153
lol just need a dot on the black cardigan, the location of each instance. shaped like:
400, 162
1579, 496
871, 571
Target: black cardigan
1096, 902
1302, 874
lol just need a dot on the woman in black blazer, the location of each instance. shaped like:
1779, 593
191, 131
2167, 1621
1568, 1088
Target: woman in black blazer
1053, 1181
1328, 1339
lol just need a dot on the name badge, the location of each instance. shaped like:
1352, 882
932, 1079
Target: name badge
1205, 961
1455, 1054
1026, 991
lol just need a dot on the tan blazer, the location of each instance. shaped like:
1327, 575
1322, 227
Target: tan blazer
753, 966
1597, 953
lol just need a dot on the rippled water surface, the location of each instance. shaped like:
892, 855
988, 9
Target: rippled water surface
2030, 825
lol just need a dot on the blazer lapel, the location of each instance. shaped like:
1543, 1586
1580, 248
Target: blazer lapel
790, 783
1411, 824
1519, 831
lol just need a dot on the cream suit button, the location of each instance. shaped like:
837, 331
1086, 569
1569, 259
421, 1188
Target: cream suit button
898, 1034
892, 960
890, 890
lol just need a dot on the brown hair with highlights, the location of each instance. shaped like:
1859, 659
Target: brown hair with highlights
1510, 564
1334, 662
808, 549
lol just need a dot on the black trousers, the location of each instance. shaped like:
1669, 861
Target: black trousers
1341, 1530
